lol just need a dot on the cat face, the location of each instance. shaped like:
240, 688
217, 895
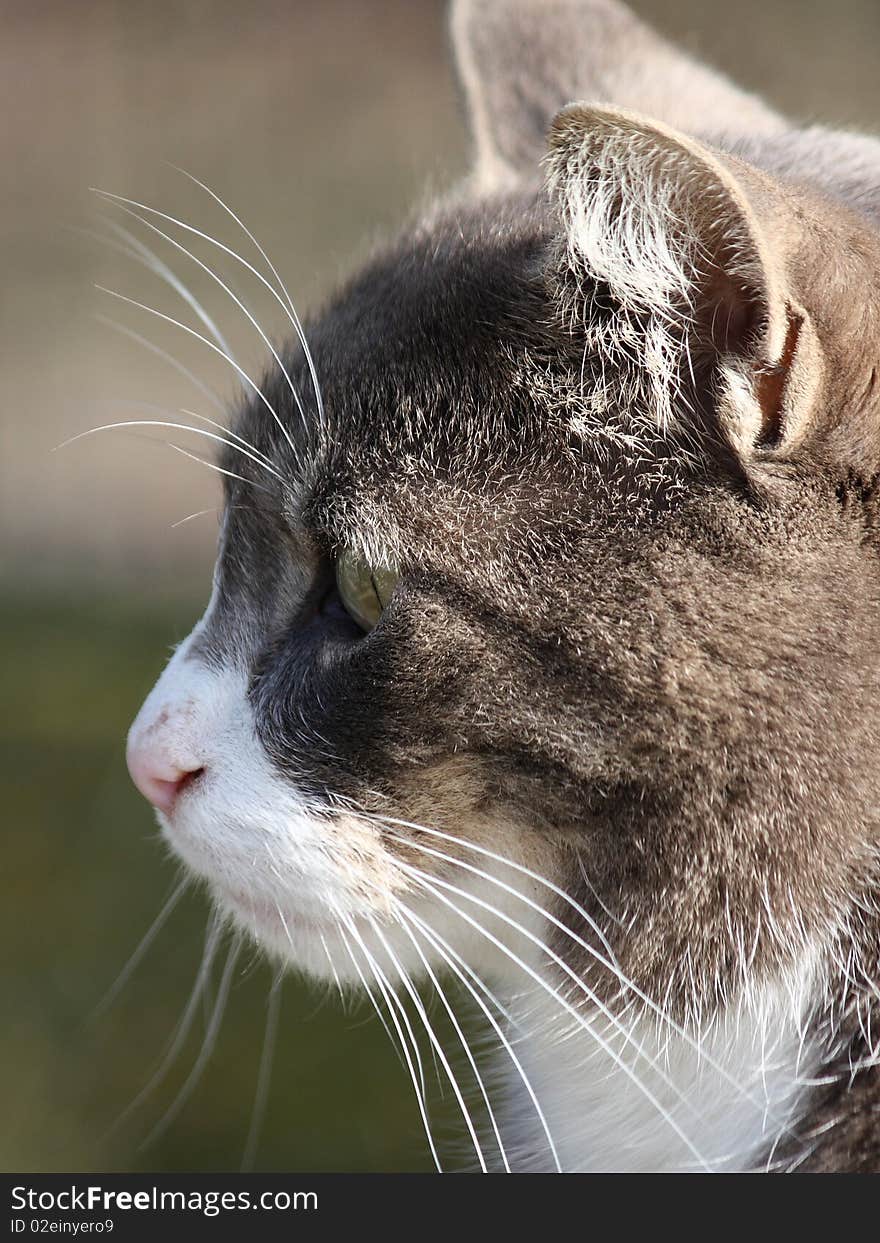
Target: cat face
558, 584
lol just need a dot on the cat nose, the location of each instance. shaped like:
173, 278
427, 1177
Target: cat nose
158, 778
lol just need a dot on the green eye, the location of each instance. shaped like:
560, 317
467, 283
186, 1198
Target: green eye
364, 590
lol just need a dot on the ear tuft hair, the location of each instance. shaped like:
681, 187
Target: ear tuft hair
665, 227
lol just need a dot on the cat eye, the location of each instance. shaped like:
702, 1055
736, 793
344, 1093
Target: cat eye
364, 589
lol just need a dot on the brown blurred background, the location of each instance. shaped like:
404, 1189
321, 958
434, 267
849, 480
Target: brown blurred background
323, 124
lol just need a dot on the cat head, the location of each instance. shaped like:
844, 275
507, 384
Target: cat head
547, 583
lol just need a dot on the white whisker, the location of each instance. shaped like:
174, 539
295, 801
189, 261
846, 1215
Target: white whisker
180, 427
200, 513
437, 1047
334, 972
221, 470
365, 984
205, 1051
238, 302
431, 887
448, 954
296, 320
288, 309
139, 251
420, 1101
264, 1076
211, 346
388, 991
610, 963
178, 366
152, 407
221, 427
184, 1025
461, 1036
144, 944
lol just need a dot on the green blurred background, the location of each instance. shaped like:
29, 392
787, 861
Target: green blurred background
323, 124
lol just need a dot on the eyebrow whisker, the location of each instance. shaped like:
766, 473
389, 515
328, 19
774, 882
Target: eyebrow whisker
136, 249
210, 344
221, 427
291, 314
153, 348
238, 302
194, 457
295, 317
189, 517
181, 427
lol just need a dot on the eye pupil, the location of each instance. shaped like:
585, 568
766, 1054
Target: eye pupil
364, 589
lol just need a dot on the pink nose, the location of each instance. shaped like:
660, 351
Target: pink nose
159, 780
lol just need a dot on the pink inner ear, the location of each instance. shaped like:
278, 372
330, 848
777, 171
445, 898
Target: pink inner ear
771, 385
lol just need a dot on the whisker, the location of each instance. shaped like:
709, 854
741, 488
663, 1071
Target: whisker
205, 1051
579, 984
211, 346
609, 963
582, 1022
420, 1102
192, 414
184, 1026
291, 314
189, 517
437, 1047
462, 1039
264, 1076
152, 407
334, 972
366, 986
382, 978
137, 956
180, 427
447, 953
296, 320
178, 366
238, 302
144, 254
194, 457
612, 963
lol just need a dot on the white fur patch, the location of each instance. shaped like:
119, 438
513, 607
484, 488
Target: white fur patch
653, 1099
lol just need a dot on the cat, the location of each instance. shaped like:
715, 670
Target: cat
543, 647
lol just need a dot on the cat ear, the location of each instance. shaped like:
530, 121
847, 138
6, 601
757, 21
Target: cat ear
674, 267
519, 61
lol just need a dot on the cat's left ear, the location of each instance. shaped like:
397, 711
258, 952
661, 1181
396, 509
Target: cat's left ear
519, 61
675, 261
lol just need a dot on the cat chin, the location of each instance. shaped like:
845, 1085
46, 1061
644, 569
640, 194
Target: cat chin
275, 877
283, 934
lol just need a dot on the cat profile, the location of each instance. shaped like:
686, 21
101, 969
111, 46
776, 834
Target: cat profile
542, 652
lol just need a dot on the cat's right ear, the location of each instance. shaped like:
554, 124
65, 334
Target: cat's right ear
520, 61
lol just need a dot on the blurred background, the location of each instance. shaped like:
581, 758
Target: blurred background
323, 124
